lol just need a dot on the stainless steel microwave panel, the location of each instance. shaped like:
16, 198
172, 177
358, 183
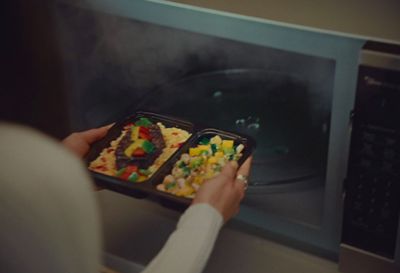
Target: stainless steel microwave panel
296, 190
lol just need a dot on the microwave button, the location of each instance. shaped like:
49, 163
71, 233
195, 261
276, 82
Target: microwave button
367, 136
390, 141
389, 154
380, 228
387, 166
365, 163
367, 149
376, 181
385, 213
371, 211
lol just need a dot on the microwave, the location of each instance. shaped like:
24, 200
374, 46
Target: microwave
296, 91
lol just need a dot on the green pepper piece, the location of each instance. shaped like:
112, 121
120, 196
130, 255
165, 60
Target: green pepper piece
204, 141
145, 171
133, 177
186, 170
229, 151
145, 122
120, 171
170, 185
214, 148
204, 152
196, 163
148, 147
181, 164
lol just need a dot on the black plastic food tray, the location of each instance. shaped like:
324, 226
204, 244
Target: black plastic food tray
148, 187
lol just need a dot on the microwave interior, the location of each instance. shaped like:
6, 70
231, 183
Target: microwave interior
116, 65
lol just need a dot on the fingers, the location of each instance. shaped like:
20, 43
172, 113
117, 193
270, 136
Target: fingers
241, 182
245, 168
229, 170
93, 135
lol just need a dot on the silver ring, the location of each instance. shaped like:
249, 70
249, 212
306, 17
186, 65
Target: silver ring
243, 178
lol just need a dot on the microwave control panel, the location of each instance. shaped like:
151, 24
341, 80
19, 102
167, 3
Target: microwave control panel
372, 186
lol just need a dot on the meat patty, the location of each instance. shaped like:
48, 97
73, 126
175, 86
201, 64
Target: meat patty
143, 162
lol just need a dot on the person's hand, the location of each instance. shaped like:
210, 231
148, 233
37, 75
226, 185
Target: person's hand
225, 191
79, 143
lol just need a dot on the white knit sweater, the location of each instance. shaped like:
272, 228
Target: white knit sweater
50, 219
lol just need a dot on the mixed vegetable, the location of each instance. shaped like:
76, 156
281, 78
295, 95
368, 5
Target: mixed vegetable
136, 152
201, 163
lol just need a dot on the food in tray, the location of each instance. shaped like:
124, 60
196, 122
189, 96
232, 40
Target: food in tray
139, 151
201, 163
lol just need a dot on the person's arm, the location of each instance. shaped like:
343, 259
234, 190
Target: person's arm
189, 246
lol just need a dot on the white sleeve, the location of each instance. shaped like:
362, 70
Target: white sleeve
49, 216
189, 246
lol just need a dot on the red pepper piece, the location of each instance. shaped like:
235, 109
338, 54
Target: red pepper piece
144, 136
124, 176
144, 130
144, 133
131, 168
138, 152
128, 171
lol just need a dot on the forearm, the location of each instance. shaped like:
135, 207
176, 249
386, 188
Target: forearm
189, 246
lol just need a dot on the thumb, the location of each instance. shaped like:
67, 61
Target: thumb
93, 135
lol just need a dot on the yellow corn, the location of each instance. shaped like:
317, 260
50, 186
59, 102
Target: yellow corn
219, 154
198, 180
194, 151
227, 143
142, 178
203, 147
135, 133
185, 191
212, 160
138, 143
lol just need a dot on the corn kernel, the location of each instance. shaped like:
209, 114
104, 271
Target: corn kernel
142, 178
198, 180
219, 154
194, 151
203, 147
212, 160
185, 191
227, 143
